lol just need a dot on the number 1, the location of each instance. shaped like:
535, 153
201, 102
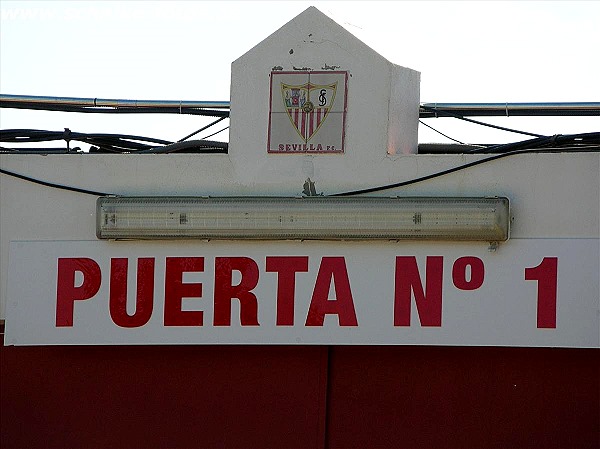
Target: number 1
546, 275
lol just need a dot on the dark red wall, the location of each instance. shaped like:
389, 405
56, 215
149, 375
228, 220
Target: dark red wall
464, 397
299, 397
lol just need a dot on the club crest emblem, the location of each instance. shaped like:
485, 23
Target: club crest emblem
308, 106
307, 112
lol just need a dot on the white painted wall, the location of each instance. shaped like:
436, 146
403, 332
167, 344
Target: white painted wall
552, 195
382, 103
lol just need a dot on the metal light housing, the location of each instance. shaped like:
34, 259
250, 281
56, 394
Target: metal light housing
307, 218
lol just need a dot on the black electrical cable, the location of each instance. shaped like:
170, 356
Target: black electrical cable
524, 144
40, 135
205, 145
439, 132
595, 149
460, 117
547, 141
44, 151
448, 171
215, 133
108, 142
53, 185
202, 129
111, 143
126, 137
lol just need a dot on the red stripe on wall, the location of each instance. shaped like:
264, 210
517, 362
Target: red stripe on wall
303, 129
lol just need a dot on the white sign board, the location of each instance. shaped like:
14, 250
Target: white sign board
530, 292
307, 112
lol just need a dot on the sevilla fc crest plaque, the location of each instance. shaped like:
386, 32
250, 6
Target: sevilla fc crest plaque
307, 112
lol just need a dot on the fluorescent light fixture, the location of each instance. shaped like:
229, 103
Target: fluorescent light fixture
308, 218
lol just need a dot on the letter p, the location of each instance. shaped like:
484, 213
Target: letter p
66, 291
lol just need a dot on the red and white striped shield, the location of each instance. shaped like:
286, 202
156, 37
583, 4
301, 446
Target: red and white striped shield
308, 106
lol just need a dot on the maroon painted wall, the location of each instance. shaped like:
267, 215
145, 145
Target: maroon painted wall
299, 397
464, 397
162, 396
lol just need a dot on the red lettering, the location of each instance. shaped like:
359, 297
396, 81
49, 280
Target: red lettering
459, 273
408, 280
332, 269
118, 292
286, 269
225, 292
176, 290
66, 291
546, 275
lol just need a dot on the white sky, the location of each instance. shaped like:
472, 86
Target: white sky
465, 51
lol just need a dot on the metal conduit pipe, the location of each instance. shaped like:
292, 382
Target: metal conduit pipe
426, 110
114, 103
509, 109
511, 106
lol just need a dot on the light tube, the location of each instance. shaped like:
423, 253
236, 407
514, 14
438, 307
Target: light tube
306, 218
